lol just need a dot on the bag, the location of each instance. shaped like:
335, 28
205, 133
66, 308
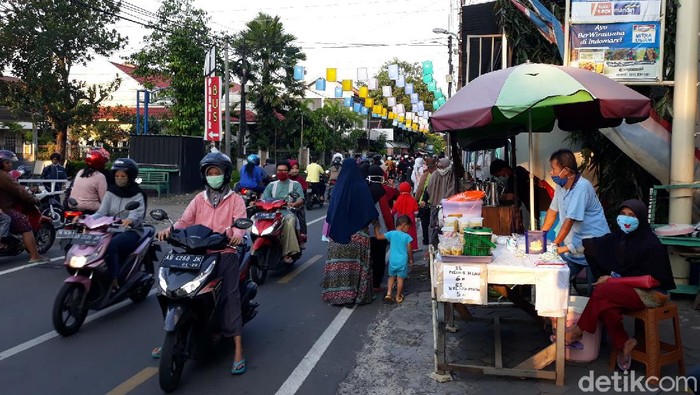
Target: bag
644, 282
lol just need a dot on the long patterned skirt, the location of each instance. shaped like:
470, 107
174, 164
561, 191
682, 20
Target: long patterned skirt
347, 277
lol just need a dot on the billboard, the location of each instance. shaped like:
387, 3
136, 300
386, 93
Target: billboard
622, 51
615, 11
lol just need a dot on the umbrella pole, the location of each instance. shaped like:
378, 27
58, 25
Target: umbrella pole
532, 175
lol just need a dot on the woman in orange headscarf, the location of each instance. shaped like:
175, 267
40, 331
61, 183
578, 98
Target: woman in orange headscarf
406, 205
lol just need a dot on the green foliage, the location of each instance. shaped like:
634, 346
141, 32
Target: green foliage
524, 39
41, 41
73, 166
328, 128
177, 52
437, 141
269, 57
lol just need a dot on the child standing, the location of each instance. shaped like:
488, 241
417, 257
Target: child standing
400, 256
406, 205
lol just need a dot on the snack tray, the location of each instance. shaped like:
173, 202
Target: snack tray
465, 259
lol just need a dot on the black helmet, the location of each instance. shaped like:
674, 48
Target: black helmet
216, 159
127, 165
7, 155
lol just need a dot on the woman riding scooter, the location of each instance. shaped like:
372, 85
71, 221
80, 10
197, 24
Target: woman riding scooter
124, 190
90, 185
217, 207
252, 175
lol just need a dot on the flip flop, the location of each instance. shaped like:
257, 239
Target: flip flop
40, 260
156, 353
388, 300
577, 345
623, 362
238, 367
399, 298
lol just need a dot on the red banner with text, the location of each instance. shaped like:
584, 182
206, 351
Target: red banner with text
212, 129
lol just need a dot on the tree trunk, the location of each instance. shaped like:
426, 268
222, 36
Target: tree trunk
61, 137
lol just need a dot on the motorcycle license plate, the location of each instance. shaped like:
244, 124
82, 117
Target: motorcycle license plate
86, 239
266, 215
182, 261
65, 234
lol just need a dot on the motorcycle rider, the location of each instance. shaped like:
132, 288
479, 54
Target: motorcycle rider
334, 171
252, 175
281, 189
314, 176
11, 194
270, 167
124, 190
217, 207
54, 171
90, 185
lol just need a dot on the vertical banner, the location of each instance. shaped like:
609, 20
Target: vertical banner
212, 108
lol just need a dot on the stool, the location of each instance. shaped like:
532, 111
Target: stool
650, 350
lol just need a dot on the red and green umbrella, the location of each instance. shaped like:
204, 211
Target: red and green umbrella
531, 97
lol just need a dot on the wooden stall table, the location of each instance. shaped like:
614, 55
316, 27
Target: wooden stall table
456, 284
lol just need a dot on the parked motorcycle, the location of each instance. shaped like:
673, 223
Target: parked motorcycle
189, 294
266, 253
89, 286
43, 228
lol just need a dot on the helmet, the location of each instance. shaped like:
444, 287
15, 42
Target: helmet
96, 159
8, 155
337, 161
216, 159
252, 158
127, 165
337, 156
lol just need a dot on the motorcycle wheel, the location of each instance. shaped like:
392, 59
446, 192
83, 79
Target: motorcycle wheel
45, 236
309, 204
140, 295
69, 300
258, 275
172, 359
56, 216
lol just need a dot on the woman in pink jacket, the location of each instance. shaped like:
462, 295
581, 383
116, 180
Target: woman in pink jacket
217, 207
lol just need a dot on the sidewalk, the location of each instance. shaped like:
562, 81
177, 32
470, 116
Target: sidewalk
398, 354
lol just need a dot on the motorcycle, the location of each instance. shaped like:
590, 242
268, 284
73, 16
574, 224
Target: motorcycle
266, 253
249, 197
312, 198
331, 184
68, 225
89, 286
42, 227
188, 294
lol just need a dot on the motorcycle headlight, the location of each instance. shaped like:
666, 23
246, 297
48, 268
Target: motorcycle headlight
77, 261
197, 282
162, 283
254, 230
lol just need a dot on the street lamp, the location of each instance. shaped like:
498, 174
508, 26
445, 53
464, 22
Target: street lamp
439, 30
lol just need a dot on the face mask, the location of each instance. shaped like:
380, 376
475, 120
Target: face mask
215, 182
121, 182
502, 180
559, 180
282, 176
627, 224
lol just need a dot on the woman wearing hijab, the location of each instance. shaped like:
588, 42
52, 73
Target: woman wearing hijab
406, 205
418, 170
635, 273
347, 277
383, 197
440, 186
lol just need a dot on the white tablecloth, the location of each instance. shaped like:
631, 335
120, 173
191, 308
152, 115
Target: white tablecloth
551, 282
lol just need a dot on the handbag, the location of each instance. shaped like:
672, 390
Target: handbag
644, 282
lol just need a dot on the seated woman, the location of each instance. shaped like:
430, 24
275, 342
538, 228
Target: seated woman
635, 273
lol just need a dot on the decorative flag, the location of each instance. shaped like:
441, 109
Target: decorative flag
391, 101
386, 91
427, 67
414, 98
320, 84
547, 24
347, 85
338, 91
298, 73
373, 84
428, 78
331, 74
347, 102
363, 92
369, 102
362, 74
401, 81
357, 107
393, 71
408, 89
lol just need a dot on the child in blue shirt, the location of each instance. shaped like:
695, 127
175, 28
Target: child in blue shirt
400, 256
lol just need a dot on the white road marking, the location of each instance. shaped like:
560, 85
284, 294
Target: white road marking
10, 352
316, 220
307, 364
298, 270
18, 268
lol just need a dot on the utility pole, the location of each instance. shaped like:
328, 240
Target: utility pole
449, 64
227, 120
242, 115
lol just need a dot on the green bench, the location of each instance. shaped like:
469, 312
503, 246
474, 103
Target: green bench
158, 181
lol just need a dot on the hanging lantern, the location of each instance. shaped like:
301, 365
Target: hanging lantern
298, 73
357, 107
400, 109
401, 81
408, 89
401, 118
376, 109
395, 123
427, 67
347, 102
369, 102
415, 127
428, 78
386, 91
436, 104
414, 98
441, 101
385, 112
432, 86
320, 84
362, 74
365, 111
438, 94
421, 106
338, 91
391, 101
391, 115
331, 74
420, 113
347, 85
363, 92
373, 84
393, 71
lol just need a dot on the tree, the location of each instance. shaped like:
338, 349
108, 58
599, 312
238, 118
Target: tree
176, 49
270, 56
330, 126
41, 41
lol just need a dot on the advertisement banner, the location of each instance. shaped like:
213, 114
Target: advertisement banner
212, 107
613, 11
621, 51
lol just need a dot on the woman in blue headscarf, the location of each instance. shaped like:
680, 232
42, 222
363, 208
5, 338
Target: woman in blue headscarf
347, 276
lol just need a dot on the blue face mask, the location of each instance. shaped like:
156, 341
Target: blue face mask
627, 224
559, 180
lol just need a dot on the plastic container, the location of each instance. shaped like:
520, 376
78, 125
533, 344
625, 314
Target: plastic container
467, 209
590, 341
477, 242
476, 222
535, 242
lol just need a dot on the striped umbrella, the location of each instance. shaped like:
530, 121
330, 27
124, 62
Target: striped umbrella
531, 97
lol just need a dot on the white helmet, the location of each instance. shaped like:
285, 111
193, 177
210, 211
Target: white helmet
338, 155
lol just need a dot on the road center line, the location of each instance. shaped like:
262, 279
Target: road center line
135, 380
316, 220
50, 335
307, 364
289, 277
18, 268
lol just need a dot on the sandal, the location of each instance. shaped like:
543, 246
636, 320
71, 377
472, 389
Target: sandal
287, 259
156, 353
624, 363
388, 299
575, 345
238, 367
39, 260
399, 298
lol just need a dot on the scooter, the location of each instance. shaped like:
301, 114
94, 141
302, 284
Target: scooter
249, 197
312, 198
43, 228
188, 294
266, 253
89, 286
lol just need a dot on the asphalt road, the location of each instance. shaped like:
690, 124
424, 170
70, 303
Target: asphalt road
291, 346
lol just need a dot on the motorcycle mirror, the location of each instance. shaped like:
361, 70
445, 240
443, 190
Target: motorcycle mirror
72, 202
243, 223
159, 214
132, 206
138, 180
294, 195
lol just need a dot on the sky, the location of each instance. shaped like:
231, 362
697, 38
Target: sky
328, 31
